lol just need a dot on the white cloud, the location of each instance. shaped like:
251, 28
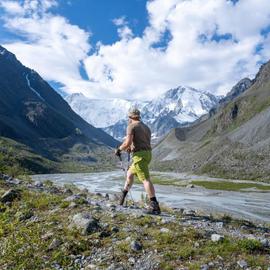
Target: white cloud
136, 68
195, 52
52, 46
120, 21
12, 7
124, 32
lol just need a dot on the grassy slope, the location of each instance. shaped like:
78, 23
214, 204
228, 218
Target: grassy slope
28, 241
210, 147
217, 185
16, 158
230, 186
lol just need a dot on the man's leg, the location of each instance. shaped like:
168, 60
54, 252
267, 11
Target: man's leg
129, 180
128, 184
154, 205
149, 188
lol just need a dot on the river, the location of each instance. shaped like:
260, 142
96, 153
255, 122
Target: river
253, 205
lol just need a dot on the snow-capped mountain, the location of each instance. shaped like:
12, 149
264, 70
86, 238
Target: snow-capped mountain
184, 104
174, 108
101, 113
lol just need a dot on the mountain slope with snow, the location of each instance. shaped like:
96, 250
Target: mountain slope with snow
35, 117
176, 107
184, 104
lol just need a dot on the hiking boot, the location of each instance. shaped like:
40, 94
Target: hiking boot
122, 197
153, 208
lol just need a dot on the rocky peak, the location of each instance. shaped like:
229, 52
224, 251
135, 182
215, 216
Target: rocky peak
237, 90
2, 50
263, 74
7, 55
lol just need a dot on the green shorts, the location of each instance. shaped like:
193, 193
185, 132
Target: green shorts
139, 166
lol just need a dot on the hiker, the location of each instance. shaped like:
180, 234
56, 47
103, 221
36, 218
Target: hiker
137, 142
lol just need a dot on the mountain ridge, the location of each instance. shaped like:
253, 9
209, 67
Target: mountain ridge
33, 113
173, 107
233, 142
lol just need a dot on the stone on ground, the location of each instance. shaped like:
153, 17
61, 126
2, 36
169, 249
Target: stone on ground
217, 237
10, 196
85, 222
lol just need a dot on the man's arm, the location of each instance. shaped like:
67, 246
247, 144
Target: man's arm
127, 143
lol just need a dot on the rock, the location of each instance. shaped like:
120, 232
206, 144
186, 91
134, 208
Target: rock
90, 266
242, 264
113, 215
204, 267
265, 242
165, 221
56, 266
190, 186
85, 190
115, 229
217, 237
188, 212
220, 258
38, 184
13, 181
54, 190
251, 237
33, 219
47, 236
135, 246
111, 206
97, 208
72, 205
67, 191
71, 198
78, 198
104, 234
10, 196
2, 209
128, 238
131, 260
219, 225
54, 244
164, 230
107, 197
105, 226
85, 222
88, 200
25, 215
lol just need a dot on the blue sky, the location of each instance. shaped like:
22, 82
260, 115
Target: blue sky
138, 49
97, 16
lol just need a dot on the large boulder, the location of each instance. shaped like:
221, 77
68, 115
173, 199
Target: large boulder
10, 196
85, 223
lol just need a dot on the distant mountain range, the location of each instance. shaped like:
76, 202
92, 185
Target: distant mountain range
231, 141
33, 114
176, 107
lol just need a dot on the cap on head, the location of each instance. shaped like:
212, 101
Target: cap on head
134, 113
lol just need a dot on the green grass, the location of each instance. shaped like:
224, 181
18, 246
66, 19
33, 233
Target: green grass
160, 180
216, 185
17, 159
23, 239
230, 186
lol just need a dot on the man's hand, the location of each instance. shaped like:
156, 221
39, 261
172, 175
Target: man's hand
117, 152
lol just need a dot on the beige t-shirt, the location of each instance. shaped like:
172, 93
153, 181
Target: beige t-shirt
141, 136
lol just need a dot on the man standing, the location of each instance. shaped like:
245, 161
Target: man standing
138, 141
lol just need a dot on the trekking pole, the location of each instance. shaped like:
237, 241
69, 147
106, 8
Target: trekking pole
125, 173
